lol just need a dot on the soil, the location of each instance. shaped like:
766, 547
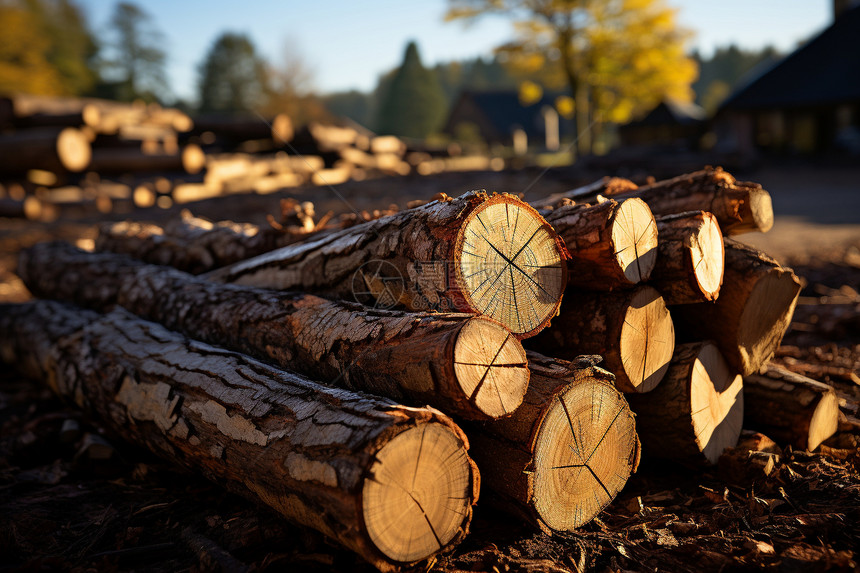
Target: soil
75, 498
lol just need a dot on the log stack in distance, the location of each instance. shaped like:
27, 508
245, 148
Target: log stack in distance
392, 483
494, 256
563, 456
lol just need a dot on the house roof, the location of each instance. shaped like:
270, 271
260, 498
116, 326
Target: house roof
826, 70
672, 112
504, 112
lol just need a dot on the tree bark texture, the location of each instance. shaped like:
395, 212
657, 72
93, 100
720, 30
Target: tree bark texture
611, 244
489, 255
752, 313
322, 457
466, 365
134, 160
740, 207
566, 452
603, 186
790, 408
690, 259
631, 329
697, 410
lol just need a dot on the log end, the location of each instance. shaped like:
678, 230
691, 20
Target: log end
707, 257
765, 318
193, 159
585, 450
417, 495
510, 265
716, 403
634, 239
646, 343
491, 367
761, 210
282, 129
73, 149
824, 421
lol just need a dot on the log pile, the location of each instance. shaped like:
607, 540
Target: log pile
555, 335
115, 157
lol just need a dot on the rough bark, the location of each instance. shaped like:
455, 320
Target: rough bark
466, 365
752, 313
790, 408
489, 255
566, 452
324, 458
611, 244
603, 186
740, 207
196, 245
697, 410
690, 259
279, 129
49, 149
632, 330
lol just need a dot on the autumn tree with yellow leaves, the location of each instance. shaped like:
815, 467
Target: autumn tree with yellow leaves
617, 58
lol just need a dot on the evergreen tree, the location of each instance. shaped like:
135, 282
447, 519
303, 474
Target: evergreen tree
138, 58
414, 105
232, 76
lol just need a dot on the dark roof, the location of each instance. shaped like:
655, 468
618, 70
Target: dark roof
826, 70
670, 112
503, 110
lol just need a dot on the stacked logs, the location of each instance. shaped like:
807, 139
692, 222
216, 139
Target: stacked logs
445, 305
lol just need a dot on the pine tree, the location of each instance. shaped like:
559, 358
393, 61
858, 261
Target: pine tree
414, 105
232, 76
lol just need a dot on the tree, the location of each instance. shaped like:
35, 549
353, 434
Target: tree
618, 58
414, 104
724, 69
233, 77
289, 89
138, 60
47, 48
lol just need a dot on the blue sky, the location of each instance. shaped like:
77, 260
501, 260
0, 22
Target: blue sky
348, 44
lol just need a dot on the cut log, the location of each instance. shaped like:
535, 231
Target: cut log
632, 330
611, 244
193, 244
134, 160
740, 207
49, 149
467, 365
565, 453
604, 186
278, 129
752, 313
28, 111
478, 254
790, 408
691, 258
697, 410
394, 484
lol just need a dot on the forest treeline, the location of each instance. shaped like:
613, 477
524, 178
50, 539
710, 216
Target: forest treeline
50, 48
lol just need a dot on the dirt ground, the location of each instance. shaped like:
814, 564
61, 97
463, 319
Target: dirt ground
65, 505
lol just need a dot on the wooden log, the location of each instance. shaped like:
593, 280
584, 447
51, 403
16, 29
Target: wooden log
24, 111
603, 186
488, 255
564, 455
134, 160
740, 207
790, 408
49, 149
631, 329
752, 313
611, 244
244, 128
697, 410
691, 258
467, 365
393, 484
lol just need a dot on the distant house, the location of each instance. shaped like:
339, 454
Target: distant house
807, 103
499, 117
670, 124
